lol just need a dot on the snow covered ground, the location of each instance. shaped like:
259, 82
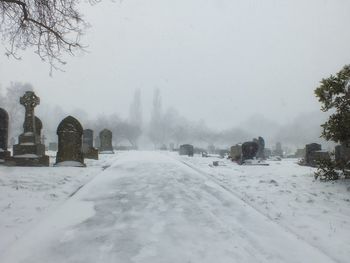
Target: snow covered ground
29, 194
316, 212
161, 207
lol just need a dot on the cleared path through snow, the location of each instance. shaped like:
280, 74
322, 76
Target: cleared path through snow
148, 207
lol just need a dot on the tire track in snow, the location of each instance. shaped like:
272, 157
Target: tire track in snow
236, 195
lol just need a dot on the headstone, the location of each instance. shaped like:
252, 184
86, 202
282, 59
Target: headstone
88, 145
171, 146
29, 151
342, 155
38, 126
314, 154
186, 149
249, 151
106, 142
278, 150
53, 146
261, 150
4, 124
236, 152
70, 134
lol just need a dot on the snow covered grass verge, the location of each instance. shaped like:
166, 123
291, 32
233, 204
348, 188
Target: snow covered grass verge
287, 193
27, 194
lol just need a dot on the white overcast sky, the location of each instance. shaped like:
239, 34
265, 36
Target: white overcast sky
217, 60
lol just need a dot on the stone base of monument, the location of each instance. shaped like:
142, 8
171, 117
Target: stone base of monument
4, 155
70, 164
91, 153
31, 160
106, 151
28, 154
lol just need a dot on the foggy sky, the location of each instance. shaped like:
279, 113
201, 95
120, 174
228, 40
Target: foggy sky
217, 60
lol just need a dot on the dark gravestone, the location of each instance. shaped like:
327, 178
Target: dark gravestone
249, 150
261, 150
106, 142
53, 146
342, 155
4, 124
38, 126
70, 133
186, 149
314, 153
236, 152
29, 151
88, 145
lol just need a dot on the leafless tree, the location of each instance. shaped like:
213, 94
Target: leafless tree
52, 27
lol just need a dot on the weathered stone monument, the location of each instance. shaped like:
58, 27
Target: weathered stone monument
186, 149
4, 124
249, 151
70, 134
88, 145
261, 150
314, 154
106, 142
29, 151
38, 126
236, 152
342, 155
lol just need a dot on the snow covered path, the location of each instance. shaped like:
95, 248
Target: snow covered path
148, 207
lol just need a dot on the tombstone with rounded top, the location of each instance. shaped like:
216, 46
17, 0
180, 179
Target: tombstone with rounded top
69, 152
4, 124
106, 142
249, 150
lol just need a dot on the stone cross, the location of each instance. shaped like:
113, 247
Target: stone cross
29, 100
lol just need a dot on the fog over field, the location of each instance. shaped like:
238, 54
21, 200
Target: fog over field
242, 68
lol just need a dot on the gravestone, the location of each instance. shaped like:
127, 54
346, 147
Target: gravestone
171, 146
29, 151
4, 124
106, 142
236, 152
186, 149
38, 126
53, 146
261, 150
342, 155
278, 150
69, 152
314, 154
88, 145
249, 151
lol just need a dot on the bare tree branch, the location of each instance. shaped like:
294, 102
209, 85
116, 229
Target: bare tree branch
53, 27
